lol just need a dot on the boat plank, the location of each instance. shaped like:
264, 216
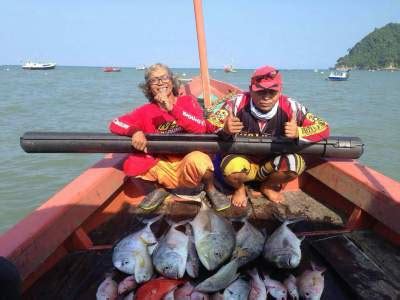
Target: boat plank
366, 188
382, 252
362, 274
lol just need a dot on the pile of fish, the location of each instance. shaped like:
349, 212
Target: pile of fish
209, 241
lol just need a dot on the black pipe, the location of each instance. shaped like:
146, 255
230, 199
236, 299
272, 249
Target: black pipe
73, 142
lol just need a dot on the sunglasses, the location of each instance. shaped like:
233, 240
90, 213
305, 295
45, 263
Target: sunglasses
155, 80
268, 76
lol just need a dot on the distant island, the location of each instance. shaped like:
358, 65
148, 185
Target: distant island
379, 50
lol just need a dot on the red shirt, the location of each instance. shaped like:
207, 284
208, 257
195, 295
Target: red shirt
186, 116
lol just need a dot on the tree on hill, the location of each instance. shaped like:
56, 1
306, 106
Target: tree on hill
379, 49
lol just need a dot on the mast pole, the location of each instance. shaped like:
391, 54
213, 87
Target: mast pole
201, 42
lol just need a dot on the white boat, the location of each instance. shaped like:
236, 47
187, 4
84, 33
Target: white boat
339, 75
229, 69
38, 66
142, 67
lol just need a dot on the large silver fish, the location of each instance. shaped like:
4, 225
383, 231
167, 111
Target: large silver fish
170, 256
282, 248
214, 237
220, 280
237, 290
193, 261
311, 283
131, 254
251, 240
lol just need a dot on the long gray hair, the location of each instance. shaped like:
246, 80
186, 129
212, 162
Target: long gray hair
145, 86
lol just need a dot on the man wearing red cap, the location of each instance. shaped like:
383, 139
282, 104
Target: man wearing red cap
264, 110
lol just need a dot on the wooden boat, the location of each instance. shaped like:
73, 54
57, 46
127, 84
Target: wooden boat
63, 249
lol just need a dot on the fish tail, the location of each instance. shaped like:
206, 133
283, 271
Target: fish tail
153, 220
176, 224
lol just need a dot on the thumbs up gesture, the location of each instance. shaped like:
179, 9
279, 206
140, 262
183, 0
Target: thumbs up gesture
232, 123
291, 127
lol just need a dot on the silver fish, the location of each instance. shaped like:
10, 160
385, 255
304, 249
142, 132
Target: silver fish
282, 248
276, 289
311, 283
237, 290
257, 286
291, 287
193, 261
170, 256
214, 237
221, 279
131, 254
250, 239
107, 290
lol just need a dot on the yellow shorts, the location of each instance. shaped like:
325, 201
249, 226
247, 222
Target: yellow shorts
176, 171
241, 164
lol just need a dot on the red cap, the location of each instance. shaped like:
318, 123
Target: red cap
264, 78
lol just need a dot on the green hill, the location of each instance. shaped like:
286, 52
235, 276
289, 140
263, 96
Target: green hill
380, 49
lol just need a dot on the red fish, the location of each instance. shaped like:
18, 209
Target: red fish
156, 289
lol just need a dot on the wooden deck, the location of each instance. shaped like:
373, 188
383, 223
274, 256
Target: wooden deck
78, 275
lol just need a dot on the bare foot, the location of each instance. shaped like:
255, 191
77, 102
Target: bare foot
272, 194
239, 197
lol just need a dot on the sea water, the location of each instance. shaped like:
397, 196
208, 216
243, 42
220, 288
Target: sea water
86, 99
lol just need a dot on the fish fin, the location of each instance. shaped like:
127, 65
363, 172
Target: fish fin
241, 252
317, 268
153, 220
177, 224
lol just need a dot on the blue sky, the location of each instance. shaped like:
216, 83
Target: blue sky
287, 34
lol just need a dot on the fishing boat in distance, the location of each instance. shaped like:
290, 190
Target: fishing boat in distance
141, 67
38, 66
339, 75
111, 69
229, 69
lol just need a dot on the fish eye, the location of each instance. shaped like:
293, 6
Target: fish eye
307, 294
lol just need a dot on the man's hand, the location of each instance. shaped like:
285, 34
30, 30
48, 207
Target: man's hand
164, 101
139, 141
232, 123
291, 127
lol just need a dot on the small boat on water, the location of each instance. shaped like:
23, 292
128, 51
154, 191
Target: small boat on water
111, 69
339, 75
141, 67
351, 225
229, 69
38, 66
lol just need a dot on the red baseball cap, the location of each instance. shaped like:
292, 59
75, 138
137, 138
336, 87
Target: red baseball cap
266, 78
